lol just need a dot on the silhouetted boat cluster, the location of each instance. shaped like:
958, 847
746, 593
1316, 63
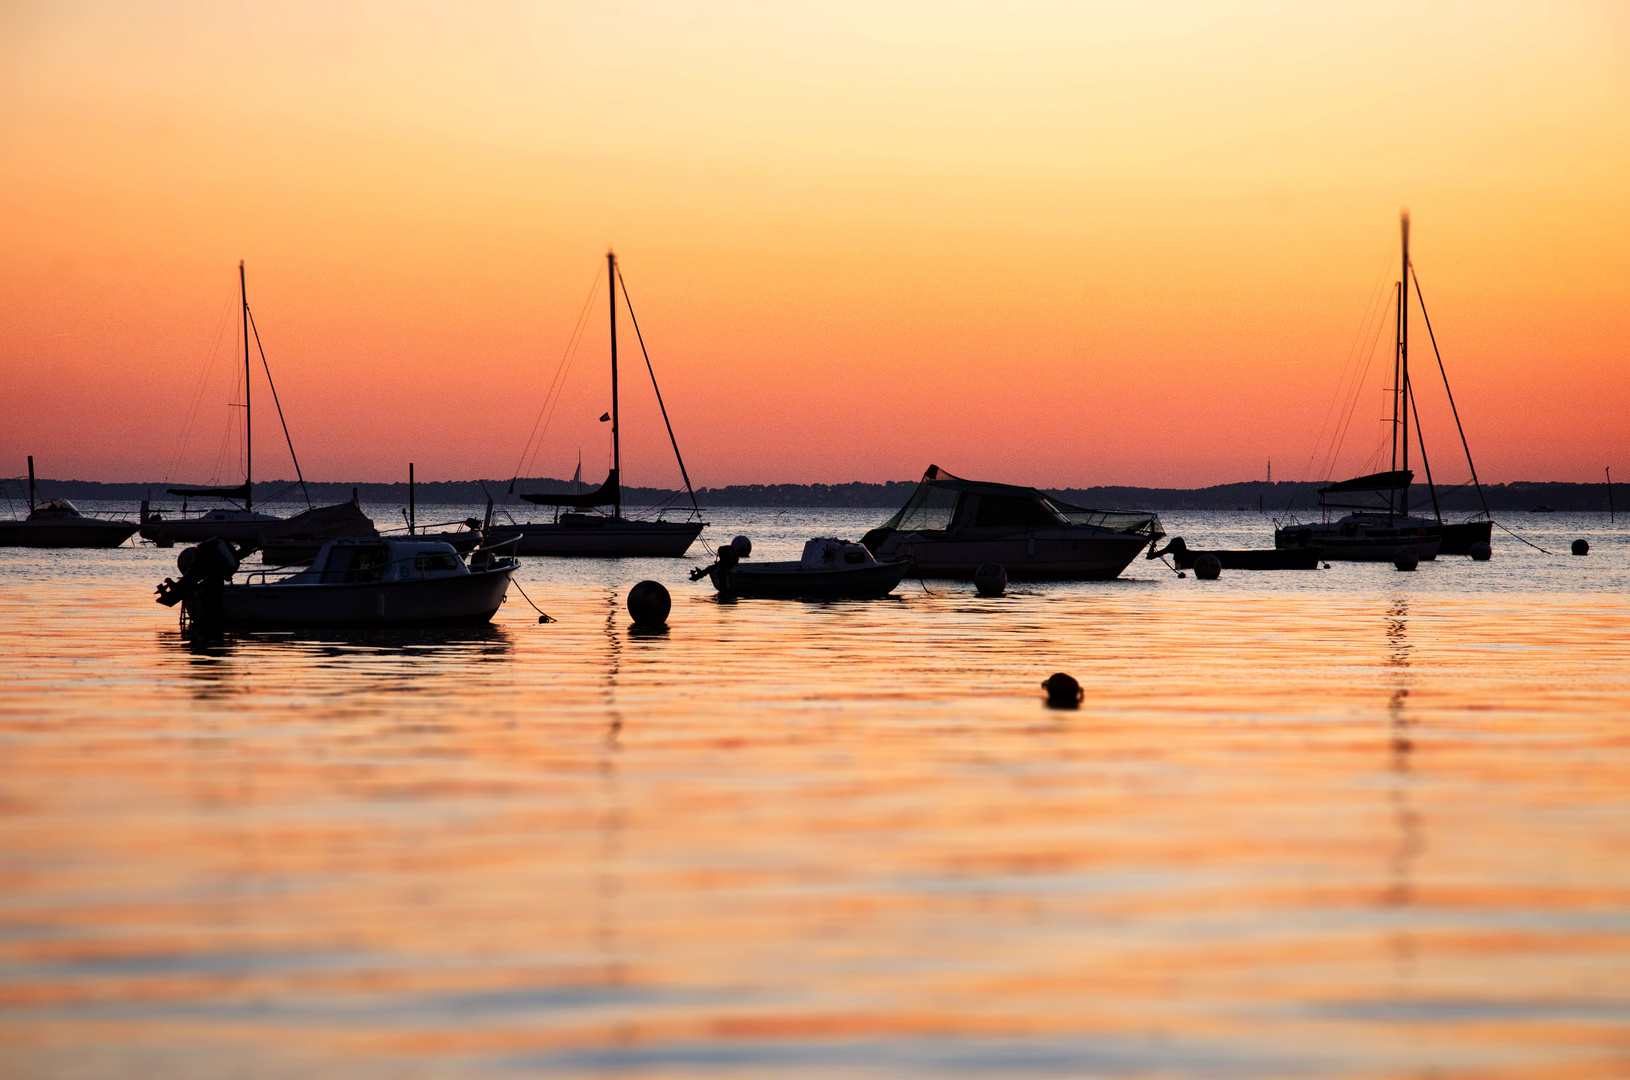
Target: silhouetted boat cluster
950, 527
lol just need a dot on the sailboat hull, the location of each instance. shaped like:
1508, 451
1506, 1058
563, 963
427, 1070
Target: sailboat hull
590, 536
1459, 538
464, 600
1364, 545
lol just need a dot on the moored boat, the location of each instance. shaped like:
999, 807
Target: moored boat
57, 523
360, 582
1306, 558
599, 534
951, 526
830, 569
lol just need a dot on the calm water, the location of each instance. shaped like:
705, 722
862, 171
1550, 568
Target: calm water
1343, 823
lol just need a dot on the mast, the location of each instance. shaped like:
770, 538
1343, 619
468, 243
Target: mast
616, 444
410, 498
248, 429
1403, 345
1397, 309
31, 484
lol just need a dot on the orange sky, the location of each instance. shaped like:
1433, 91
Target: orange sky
1048, 243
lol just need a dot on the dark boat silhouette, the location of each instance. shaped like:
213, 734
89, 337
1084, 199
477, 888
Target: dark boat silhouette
1250, 559
606, 535
57, 523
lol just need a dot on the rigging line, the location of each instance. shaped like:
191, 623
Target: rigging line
1414, 408
198, 393
1352, 351
1356, 394
556, 382
300, 477
1536, 547
629, 304
1442, 371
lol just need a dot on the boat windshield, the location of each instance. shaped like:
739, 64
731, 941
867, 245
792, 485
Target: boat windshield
930, 507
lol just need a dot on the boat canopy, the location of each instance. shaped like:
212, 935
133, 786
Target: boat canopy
934, 504
1381, 481
606, 495
239, 492
342, 520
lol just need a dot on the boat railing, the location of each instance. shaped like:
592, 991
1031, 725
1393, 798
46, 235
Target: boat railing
285, 573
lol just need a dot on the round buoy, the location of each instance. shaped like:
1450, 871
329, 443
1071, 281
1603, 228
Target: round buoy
1406, 559
1063, 692
743, 546
649, 603
1581, 547
990, 579
1207, 567
1481, 551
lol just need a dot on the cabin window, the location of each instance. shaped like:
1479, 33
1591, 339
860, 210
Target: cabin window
1008, 511
437, 560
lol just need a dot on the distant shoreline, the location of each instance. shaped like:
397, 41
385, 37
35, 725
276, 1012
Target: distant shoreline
1279, 497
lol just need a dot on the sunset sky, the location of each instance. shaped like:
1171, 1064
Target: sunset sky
1060, 244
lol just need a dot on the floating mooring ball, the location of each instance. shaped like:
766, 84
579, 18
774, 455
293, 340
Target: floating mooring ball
743, 546
1406, 559
649, 603
1063, 692
990, 579
1481, 551
1581, 547
1207, 567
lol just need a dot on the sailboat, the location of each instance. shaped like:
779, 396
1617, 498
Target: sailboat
56, 523
1383, 528
238, 523
600, 534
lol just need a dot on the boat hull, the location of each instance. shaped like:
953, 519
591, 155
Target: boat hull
1366, 546
67, 534
1459, 538
463, 600
1040, 555
1257, 559
169, 531
788, 581
597, 537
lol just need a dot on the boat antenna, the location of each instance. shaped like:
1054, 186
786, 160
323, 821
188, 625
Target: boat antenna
248, 430
1444, 372
616, 444
31, 483
286, 437
629, 304
1609, 471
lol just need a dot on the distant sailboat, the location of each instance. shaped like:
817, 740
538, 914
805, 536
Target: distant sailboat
1378, 531
606, 535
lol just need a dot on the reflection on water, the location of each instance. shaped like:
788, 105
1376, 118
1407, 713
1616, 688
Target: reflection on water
1373, 828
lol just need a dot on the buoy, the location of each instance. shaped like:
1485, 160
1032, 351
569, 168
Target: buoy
649, 603
1063, 692
1481, 551
990, 579
743, 546
1406, 559
1581, 547
1207, 567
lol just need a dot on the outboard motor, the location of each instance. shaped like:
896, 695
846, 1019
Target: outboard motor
205, 570
728, 558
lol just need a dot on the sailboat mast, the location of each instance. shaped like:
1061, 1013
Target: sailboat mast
1403, 346
1397, 312
248, 428
616, 444
31, 484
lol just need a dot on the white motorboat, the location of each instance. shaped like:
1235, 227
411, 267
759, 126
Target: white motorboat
57, 523
951, 526
354, 582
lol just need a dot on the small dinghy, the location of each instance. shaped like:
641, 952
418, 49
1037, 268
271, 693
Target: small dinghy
353, 582
830, 569
1246, 559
